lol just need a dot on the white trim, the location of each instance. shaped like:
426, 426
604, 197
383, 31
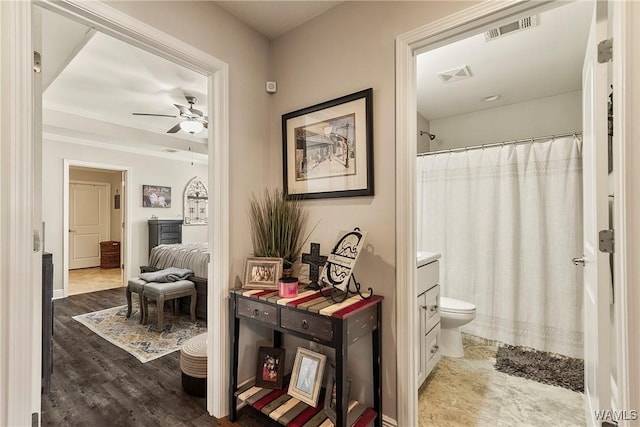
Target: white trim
128, 203
58, 294
626, 65
197, 158
24, 398
19, 264
439, 33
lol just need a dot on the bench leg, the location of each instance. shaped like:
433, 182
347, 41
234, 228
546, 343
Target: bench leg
160, 307
193, 306
143, 309
128, 303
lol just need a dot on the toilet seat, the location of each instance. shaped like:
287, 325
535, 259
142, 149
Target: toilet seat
451, 305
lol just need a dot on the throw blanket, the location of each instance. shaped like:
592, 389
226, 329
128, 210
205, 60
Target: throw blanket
171, 274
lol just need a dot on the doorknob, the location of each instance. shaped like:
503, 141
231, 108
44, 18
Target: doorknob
578, 261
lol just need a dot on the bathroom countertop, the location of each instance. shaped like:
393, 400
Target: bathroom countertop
425, 258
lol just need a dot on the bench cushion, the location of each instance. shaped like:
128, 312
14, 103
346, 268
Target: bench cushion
153, 289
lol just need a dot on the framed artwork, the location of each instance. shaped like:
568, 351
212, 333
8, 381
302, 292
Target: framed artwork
306, 378
328, 149
338, 269
330, 395
270, 368
262, 273
156, 196
196, 202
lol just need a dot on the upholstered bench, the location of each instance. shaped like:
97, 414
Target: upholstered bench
161, 292
135, 285
193, 364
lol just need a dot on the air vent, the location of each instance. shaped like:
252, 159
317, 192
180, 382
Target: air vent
169, 150
503, 30
455, 74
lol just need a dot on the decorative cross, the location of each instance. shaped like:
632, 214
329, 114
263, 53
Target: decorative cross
315, 261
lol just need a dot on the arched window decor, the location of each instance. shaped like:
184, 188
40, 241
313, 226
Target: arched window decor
196, 202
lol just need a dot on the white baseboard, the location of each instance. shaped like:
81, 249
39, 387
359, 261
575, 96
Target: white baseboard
389, 422
58, 293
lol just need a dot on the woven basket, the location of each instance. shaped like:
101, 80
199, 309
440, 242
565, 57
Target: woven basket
110, 254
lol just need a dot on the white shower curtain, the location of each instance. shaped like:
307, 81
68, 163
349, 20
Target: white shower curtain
507, 221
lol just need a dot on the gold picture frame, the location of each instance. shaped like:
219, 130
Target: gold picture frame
262, 273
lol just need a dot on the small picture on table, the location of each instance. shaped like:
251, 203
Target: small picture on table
270, 368
306, 378
330, 395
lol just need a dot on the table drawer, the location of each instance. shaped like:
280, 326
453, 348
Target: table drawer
165, 237
306, 323
170, 228
258, 311
431, 305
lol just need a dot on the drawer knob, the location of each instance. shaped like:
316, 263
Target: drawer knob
256, 312
305, 324
434, 349
433, 308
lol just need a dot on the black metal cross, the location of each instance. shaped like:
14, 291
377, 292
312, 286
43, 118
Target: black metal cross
315, 261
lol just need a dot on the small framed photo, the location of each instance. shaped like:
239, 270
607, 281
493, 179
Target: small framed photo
306, 378
330, 395
156, 196
262, 273
328, 148
270, 368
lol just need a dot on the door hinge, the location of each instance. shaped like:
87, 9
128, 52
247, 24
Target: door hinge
605, 51
37, 62
607, 242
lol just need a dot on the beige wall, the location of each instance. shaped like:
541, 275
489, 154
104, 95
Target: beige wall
552, 115
347, 49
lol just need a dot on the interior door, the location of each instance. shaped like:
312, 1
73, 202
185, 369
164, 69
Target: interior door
596, 218
88, 223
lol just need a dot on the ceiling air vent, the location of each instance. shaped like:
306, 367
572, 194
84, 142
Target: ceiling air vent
455, 74
503, 30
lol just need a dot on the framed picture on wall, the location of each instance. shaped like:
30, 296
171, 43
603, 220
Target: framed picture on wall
328, 148
156, 196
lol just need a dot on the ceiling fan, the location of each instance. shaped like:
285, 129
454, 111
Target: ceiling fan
193, 120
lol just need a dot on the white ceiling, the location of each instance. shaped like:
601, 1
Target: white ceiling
274, 18
538, 62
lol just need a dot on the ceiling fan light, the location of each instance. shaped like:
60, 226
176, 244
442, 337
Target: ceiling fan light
191, 126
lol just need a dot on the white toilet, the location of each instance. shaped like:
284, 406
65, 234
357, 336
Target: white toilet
454, 314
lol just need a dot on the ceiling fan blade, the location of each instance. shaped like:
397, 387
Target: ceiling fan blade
196, 112
155, 115
174, 129
206, 125
183, 110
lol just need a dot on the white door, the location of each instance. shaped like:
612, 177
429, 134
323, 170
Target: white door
596, 218
88, 223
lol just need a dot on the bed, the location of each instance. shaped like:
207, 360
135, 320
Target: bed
194, 256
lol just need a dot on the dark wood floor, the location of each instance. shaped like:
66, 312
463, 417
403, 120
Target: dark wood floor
95, 383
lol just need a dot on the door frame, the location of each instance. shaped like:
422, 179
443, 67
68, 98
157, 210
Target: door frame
20, 261
458, 26
126, 234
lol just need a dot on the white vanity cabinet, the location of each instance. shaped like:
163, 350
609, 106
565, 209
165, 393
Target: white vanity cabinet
428, 331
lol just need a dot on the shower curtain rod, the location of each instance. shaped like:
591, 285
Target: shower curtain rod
497, 144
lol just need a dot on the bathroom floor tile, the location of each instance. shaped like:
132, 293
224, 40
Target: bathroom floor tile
468, 391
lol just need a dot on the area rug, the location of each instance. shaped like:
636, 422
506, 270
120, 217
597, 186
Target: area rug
543, 367
142, 341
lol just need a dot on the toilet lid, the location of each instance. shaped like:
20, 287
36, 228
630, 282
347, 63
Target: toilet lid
455, 305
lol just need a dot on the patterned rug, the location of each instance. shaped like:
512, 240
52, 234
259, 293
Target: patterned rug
142, 341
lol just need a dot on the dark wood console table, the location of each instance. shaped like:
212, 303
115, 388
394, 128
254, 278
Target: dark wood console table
315, 318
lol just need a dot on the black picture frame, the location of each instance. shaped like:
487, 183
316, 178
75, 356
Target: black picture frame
270, 368
327, 149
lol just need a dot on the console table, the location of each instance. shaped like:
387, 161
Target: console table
313, 317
